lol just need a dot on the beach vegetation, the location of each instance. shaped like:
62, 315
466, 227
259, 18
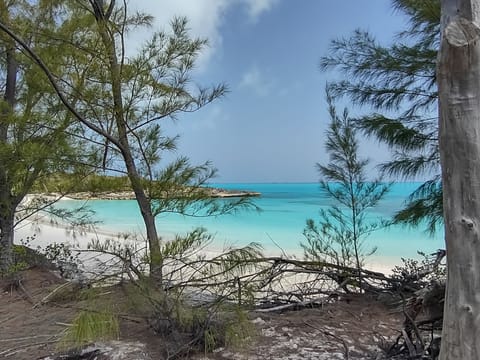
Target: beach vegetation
90, 327
120, 102
200, 304
340, 234
35, 130
114, 106
92, 182
397, 84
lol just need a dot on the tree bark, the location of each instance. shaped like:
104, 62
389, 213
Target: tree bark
459, 132
7, 226
7, 205
125, 148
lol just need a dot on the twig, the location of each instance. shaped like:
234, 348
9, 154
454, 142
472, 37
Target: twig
49, 295
25, 338
411, 349
295, 306
338, 338
276, 244
411, 320
17, 349
25, 292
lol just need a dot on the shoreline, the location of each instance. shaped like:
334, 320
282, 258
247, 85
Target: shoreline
130, 195
43, 232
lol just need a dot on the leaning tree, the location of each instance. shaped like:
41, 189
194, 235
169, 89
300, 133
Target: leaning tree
121, 101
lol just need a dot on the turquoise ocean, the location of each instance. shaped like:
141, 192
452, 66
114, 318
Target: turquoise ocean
285, 208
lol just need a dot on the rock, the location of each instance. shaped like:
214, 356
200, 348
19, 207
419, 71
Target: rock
112, 350
258, 321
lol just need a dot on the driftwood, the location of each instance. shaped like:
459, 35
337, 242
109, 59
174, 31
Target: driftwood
279, 284
423, 311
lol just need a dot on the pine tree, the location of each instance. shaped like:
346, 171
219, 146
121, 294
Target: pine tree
120, 101
340, 235
34, 139
399, 83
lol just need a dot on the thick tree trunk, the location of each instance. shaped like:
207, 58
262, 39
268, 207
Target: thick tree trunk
7, 206
7, 226
459, 127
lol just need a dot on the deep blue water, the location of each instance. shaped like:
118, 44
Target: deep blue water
285, 208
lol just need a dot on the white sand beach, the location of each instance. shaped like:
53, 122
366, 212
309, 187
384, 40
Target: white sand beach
42, 231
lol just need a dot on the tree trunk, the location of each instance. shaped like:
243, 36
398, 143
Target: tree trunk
7, 206
459, 132
143, 202
7, 226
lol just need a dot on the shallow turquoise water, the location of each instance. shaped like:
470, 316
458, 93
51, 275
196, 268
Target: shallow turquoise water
285, 207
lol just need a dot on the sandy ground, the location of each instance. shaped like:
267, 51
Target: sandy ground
355, 327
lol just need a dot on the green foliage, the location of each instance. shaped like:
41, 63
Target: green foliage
179, 320
35, 130
398, 81
90, 326
239, 331
77, 182
60, 253
340, 235
25, 257
21, 261
425, 206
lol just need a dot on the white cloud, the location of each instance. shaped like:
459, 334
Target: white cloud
205, 18
257, 7
210, 119
253, 79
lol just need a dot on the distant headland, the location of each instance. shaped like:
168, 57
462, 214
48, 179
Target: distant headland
104, 187
129, 195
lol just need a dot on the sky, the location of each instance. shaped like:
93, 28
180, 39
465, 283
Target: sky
270, 126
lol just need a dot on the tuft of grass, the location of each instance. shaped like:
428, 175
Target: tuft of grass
231, 328
239, 330
89, 326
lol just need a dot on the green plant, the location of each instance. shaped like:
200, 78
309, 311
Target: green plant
397, 85
340, 235
239, 330
90, 326
57, 252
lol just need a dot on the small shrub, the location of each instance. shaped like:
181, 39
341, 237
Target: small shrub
417, 274
89, 327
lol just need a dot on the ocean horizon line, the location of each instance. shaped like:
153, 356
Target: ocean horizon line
298, 182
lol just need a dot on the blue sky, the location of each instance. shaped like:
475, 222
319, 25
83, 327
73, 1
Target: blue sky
270, 127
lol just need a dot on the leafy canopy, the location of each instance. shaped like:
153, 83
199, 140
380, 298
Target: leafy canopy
398, 82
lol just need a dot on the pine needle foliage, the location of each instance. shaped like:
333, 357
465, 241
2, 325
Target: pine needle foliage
339, 237
91, 326
35, 137
398, 81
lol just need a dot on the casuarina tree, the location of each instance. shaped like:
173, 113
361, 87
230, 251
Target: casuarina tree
121, 100
340, 235
34, 126
397, 83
